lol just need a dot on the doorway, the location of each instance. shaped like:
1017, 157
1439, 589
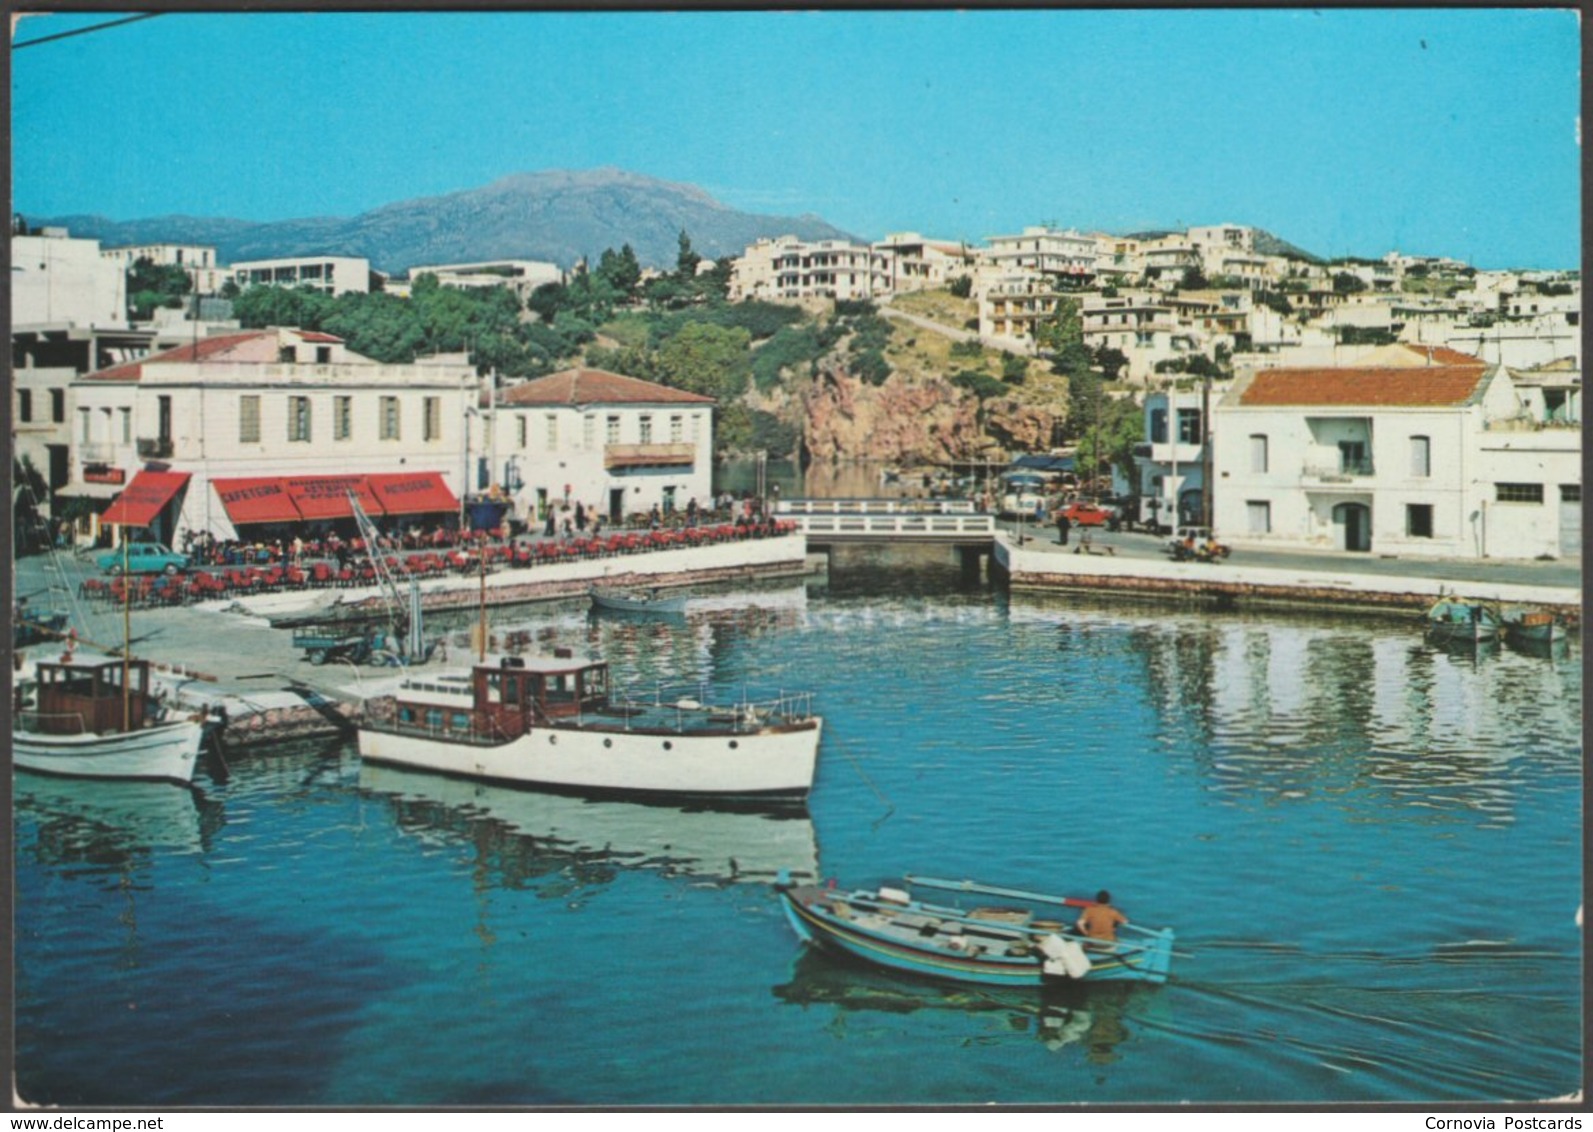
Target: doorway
1356, 521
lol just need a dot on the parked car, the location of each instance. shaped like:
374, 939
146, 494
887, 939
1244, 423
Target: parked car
144, 558
1084, 514
1195, 543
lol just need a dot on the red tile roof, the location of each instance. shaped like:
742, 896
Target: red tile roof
203, 350
597, 387
1378, 385
317, 336
1442, 355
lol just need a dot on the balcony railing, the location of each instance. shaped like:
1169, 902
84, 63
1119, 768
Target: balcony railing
154, 447
1341, 469
649, 455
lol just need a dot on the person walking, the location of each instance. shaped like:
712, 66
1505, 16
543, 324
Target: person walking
1062, 528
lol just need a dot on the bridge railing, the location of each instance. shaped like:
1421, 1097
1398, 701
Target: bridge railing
906, 526
875, 507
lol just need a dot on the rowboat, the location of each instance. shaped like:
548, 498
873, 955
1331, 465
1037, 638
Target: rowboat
1528, 627
1457, 622
96, 717
613, 601
1028, 945
549, 722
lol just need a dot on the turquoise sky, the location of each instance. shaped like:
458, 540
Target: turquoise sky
1441, 132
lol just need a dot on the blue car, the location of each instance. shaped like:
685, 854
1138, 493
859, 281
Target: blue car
144, 558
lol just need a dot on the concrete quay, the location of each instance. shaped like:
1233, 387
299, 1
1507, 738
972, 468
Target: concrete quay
238, 655
1125, 562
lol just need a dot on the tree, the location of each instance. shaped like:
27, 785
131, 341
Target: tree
621, 269
1112, 362
1347, 283
708, 359
686, 262
961, 287
151, 285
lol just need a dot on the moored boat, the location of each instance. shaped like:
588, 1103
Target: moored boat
1454, 621
1525, 626
550, 722
1028, 945
651, 601
96, 717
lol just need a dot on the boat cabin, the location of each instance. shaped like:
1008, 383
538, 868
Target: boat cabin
78, 697
507, 697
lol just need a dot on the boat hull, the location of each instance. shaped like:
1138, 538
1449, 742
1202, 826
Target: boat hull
867, 938
167, 752
772, 764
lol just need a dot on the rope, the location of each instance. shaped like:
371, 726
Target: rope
890, 807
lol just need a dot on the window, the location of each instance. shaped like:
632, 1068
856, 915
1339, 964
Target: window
520, 429
432, 428
342, 417
1259, 513
1419, 520
1519, 492
390, 419
323, 355
127, 426
299, 419
249, 418
553, 432
83, 416
25, 406
1158, 426
58, 405
1189, 426
164, 409
1258, 452
1421, 457
285, 355
677, 429
647, 430
1570, 493
588, 431
611, 433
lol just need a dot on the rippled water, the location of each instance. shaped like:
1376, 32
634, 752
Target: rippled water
1370, 850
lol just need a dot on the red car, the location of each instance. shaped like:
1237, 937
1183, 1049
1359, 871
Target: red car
1082, 514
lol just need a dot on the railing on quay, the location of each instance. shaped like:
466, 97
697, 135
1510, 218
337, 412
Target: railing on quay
945, 520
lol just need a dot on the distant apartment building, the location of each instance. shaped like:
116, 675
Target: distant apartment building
336, 275
786, 268
1144, 330
522, 276
197, 260
1012, 305
912, 263
1064, 253
57, 279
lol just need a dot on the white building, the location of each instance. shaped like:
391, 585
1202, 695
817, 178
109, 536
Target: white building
617, 445
198, 260
272, 427
913, 263
788, 269
1171, 462
335, 275
1050, 251
1417, 452
56, 279
522, 276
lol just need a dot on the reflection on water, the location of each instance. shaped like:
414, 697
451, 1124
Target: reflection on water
527, 835
112, 827
1097, 1019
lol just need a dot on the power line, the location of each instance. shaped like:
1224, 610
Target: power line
84, 31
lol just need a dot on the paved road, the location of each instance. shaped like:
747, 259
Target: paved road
1561, 572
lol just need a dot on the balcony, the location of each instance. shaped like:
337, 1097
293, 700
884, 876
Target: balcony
154, 447
1339, 471
624, 456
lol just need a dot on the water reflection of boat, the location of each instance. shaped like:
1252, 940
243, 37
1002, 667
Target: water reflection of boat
730, 845
105, 823
1059, 1018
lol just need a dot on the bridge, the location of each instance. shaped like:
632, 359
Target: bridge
943, 522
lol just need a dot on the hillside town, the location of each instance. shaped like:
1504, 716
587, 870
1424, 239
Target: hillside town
1408, 405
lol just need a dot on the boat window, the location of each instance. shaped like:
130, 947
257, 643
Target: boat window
461, 721
406, 715
494, 688
434, 718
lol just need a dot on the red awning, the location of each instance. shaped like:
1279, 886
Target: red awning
413, 493
256, 500
144, 498
326, 497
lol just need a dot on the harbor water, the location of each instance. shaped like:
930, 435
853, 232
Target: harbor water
1370, 850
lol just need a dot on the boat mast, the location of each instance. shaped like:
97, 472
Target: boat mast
481, 558
127, 636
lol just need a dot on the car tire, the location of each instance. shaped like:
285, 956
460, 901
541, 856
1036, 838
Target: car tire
171, 570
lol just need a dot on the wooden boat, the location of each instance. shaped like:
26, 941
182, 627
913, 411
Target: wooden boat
991, 945
1529, 627
550, 722
96, 717
1458, 622
614, 601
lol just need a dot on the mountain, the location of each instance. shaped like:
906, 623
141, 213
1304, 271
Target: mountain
558, 216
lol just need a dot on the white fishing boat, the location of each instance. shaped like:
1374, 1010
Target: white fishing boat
97, 717
550, 722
